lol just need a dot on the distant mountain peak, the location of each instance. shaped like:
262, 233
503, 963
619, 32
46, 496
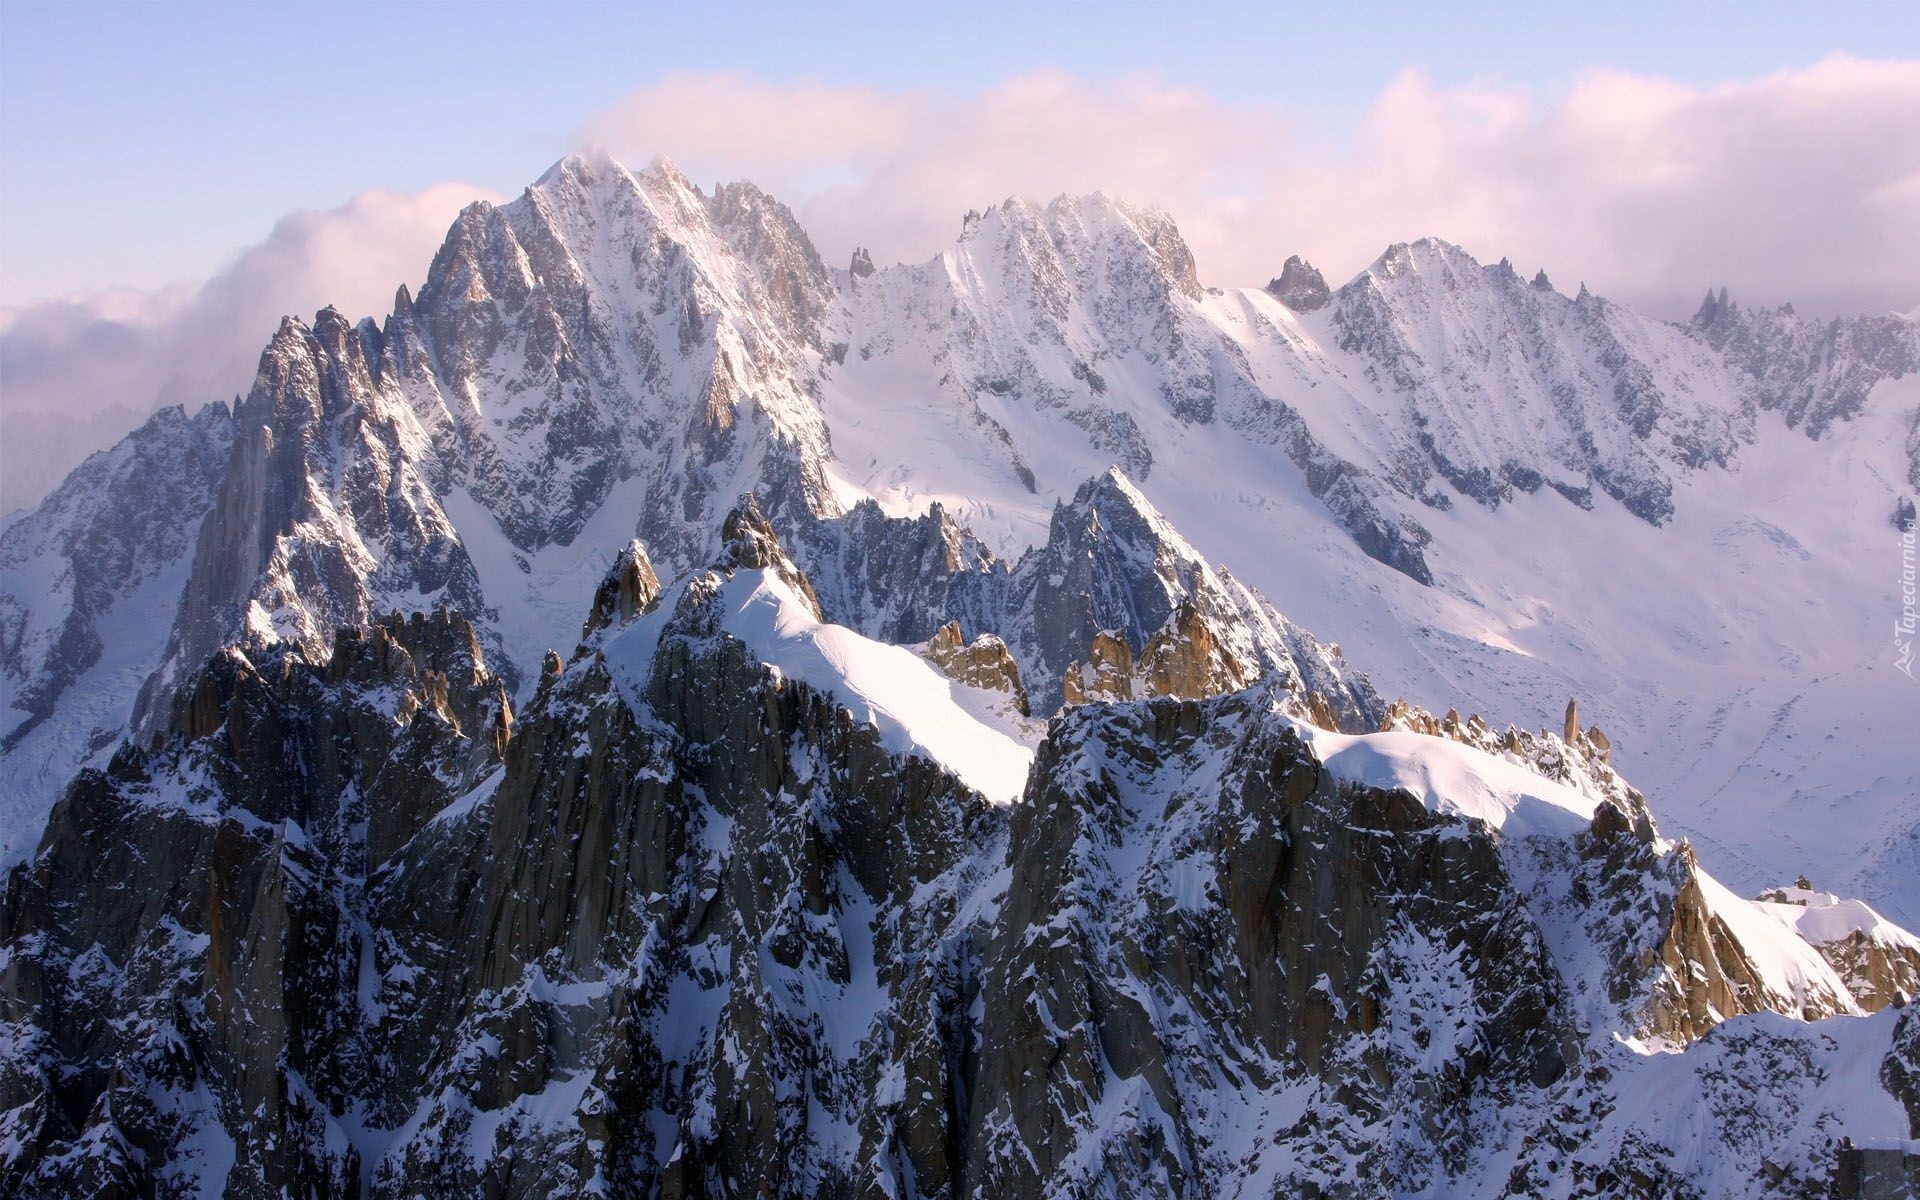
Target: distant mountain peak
1300, 286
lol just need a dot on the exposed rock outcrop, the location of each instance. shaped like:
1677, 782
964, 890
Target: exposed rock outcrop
701, 932
748, 542
1111, 564
631, 589
982, 663
1300, 287
1106, 676
1708, 974
1187, 660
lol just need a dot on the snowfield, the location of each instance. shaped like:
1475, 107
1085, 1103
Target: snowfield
1456, 780
914, 706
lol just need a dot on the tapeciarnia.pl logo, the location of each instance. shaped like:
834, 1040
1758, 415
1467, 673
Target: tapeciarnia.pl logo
1903, 628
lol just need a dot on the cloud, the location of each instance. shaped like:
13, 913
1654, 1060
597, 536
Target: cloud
1802, 185
80, 372
1799, 185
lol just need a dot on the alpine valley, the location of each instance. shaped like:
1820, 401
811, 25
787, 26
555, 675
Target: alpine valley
656, 714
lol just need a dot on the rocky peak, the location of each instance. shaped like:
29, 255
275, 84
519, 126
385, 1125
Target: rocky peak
1430, 264
747, 538
768, 238
748, 542
1812, 372
584, 166
862, 265
1106, 675
983, 663
662, 172
1300, 286
400, 714
114, 531
1109, 564
436, 663
1536, 414
1713, 311
1123, 264
630, 589
1098, 224
1188, 659
898, 579
1115, 571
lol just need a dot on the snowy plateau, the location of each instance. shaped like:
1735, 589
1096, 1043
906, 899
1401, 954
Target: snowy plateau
657, 714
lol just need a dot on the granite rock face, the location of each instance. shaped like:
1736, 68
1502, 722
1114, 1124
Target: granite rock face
630, 590
190, 951
982, 663
686, 926
1113, 567
1111, 564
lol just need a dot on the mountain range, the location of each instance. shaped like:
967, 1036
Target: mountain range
658, 713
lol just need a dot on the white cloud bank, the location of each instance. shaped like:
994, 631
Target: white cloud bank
1802, 185
76, 374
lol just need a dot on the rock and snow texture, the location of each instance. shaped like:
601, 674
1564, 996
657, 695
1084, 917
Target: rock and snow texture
697, 922
766, 605
85, 580
1877, 958
1456, 780
1481, 488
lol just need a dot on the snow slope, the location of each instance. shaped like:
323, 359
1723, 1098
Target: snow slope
1737, 651
1455, 779
1822, 917
890, 687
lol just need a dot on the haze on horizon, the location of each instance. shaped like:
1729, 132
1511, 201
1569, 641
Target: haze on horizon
174, 179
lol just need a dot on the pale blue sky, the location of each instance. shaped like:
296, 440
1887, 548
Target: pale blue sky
145, 143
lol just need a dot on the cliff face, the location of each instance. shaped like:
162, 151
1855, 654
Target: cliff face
688, 925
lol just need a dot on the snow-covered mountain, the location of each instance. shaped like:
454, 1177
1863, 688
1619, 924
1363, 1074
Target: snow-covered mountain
90, 576
744, 900
1013, 681
1573, 499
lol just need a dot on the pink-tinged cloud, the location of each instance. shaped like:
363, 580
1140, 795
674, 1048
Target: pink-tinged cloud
1797, 186
1803, 186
